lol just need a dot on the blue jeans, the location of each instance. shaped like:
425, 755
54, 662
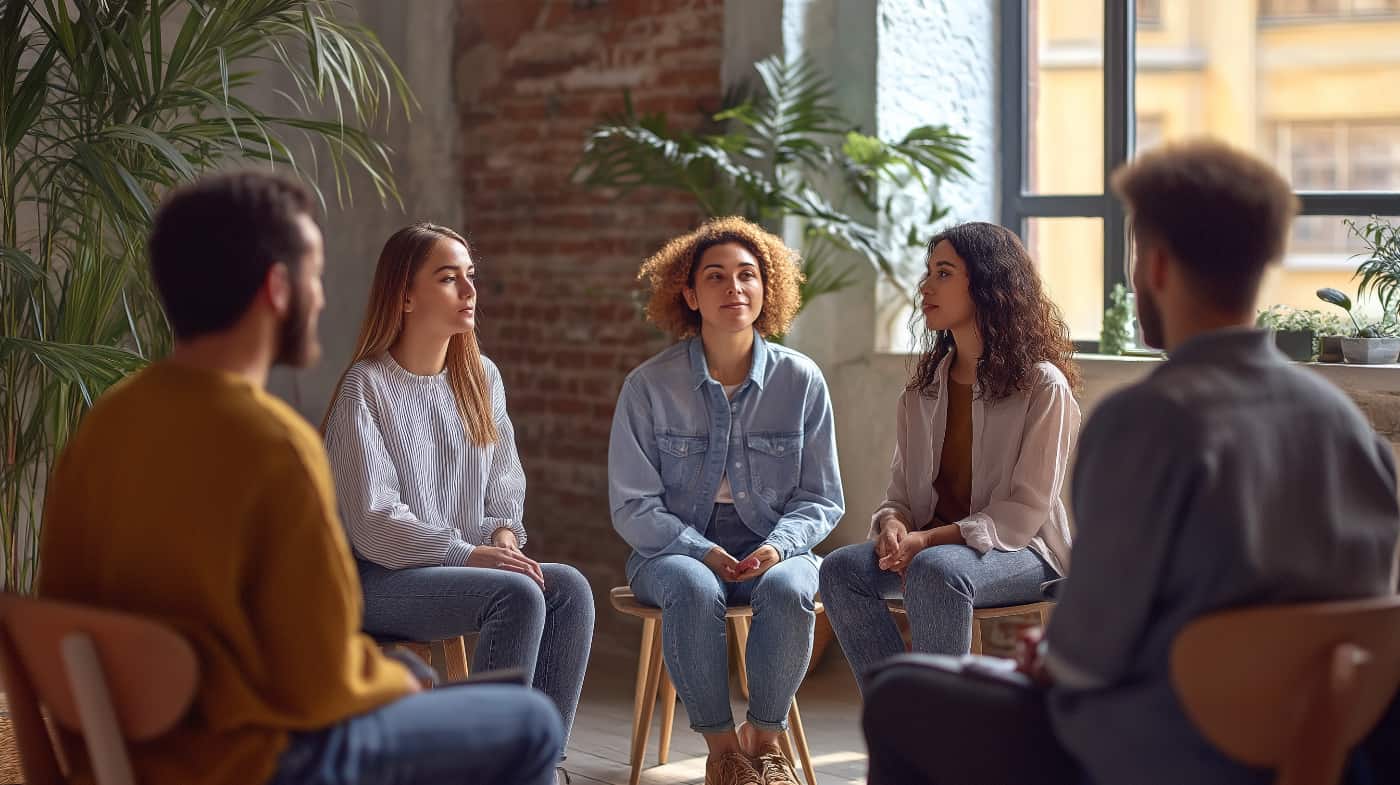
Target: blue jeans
942, 586
485, 734
692, 600
546, 633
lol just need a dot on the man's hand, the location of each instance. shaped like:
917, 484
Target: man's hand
1029, 657
757, 563
495, 558
504, 537
892, 532
719, 560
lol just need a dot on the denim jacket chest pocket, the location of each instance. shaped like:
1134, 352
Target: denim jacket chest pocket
682, 458
775, 464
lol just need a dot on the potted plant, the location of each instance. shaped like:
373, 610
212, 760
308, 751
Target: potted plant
1293, 331
1376, 343
103, 108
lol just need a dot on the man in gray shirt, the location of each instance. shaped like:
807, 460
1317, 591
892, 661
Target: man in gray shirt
1226, 478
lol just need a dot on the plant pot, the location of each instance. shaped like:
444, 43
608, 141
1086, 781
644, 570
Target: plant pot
1297, 344
1371, 351
1331, 349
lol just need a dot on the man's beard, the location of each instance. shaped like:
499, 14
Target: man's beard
1150, 320
297, 344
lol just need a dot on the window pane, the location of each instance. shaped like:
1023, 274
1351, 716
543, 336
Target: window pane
1315, 95
1064, 111
1069, 254
1323, 252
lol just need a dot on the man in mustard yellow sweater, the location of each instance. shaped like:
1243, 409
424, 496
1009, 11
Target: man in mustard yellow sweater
192, 496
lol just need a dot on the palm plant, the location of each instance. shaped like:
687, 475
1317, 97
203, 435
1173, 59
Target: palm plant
772, 155
1380, 271
104, 106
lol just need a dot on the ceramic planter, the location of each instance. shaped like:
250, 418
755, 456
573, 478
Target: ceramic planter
1297, 344
1371, 351
1330, 350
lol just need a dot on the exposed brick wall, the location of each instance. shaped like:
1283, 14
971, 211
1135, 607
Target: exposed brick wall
558, 263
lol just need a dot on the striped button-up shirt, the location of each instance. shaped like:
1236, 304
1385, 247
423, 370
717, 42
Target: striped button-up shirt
413, 490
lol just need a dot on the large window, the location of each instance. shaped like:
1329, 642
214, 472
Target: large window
1089, 83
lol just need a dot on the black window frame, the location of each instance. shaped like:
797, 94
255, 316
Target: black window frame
1018, 205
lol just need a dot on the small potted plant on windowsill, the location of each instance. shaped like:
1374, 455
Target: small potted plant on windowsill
1295, 330
1377, 343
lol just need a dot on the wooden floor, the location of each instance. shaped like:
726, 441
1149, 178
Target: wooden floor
598, 752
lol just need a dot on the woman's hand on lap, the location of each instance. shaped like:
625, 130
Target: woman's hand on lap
757, 563
495, 558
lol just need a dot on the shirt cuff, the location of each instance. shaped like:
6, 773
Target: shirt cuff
976, 532
457, 554
490, 525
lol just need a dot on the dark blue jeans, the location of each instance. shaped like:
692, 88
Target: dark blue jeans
467, 734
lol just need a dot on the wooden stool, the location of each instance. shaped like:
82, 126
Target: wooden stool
653, 678
449, 655
1039, 609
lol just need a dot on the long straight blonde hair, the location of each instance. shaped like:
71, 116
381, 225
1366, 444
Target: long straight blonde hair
400, 260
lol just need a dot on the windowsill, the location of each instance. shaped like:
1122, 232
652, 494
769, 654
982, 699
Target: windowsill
1355, 377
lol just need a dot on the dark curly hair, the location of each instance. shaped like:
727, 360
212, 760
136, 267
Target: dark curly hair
1019, 325
670, 270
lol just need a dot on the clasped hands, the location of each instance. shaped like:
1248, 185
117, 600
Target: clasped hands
733, 570
896, 546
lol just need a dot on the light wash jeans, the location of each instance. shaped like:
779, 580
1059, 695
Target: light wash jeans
465, 734
546, 633
942, 586
692, 600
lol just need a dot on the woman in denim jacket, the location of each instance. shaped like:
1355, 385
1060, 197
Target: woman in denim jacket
973, 516
722, 477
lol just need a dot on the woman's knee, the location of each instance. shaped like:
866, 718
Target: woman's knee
518, 596
686, 583
788, 591
846, 566
942, 568
567, 587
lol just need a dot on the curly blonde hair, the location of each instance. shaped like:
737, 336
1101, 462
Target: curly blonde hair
670, 270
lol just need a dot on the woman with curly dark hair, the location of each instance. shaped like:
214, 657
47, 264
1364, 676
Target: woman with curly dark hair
722, 477
986, 425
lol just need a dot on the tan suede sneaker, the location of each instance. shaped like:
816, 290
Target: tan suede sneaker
731, 768
776, 770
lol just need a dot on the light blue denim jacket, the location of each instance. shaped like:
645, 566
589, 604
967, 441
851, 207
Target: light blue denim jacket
674, 432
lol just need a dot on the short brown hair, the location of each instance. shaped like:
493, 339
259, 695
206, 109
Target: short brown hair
670, 270
1222, 213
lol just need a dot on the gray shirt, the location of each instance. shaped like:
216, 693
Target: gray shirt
1228, 477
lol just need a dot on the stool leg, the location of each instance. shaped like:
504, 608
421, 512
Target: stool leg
785, 741
455, 654
643, 663
740, 625
976, 635
799, 737
655, 667
668, 716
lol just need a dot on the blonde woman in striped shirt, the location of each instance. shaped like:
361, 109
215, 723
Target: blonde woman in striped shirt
430, 485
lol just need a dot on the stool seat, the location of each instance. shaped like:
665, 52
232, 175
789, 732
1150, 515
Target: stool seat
1039, 609
652, 679
448, 654
625, 602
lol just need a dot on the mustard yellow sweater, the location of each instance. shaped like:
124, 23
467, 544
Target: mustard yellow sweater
197, 499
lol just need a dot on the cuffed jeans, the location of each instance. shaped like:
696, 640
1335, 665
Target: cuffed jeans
941, 587
458, 735
692, 600
546, 633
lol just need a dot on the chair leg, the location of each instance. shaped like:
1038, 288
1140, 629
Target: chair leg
668, 716
740, 625
976, 636
799, 737
654, 669
455, 659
